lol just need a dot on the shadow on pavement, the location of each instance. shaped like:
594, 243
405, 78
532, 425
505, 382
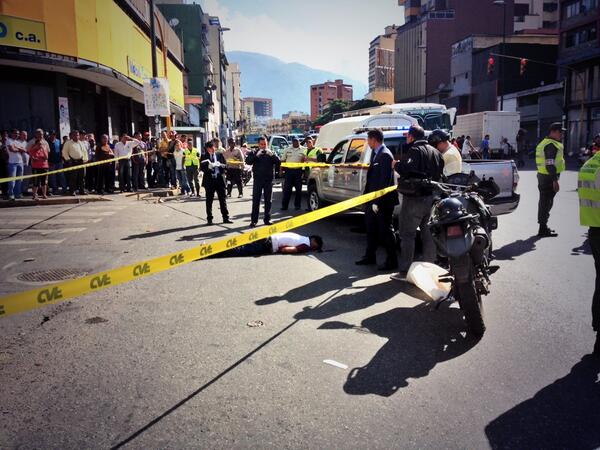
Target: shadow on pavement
565, 414
584, 248
160, 232
517, 248
418, 338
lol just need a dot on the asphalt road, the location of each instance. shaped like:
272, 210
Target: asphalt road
170, 361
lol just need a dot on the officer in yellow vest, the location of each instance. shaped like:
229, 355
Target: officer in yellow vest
192, 166
588, 188
313, 154
550, 161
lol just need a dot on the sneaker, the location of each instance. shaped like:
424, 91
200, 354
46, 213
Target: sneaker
253, 225
240, 196
268, 222
400, 276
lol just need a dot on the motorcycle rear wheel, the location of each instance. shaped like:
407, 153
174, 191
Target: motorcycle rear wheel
471, 306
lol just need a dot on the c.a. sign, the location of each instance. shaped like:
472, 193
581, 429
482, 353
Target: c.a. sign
15, 32
156, 97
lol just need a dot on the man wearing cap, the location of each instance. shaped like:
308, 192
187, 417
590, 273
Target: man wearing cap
550, 161
293, 176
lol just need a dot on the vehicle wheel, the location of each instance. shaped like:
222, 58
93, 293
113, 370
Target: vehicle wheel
314, 201
472, 308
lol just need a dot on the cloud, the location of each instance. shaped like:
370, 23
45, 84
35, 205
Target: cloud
331, 35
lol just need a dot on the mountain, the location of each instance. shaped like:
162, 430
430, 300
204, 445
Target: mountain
288, 84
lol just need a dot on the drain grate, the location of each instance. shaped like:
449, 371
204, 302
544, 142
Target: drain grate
43, 276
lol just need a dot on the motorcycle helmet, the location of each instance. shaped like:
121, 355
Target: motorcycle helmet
448, 210
437, 136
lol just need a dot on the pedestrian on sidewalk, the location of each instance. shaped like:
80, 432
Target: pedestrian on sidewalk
423, 162
293, 176
192, 166
106, 171
55, 162
588, 189
75, 154
26, 162
90, 172
179, 156
485, 147
15, 164
235, 166
550, 161
264, 164
467, 150
163, 156
3, 162
521, 147
123, 149
39, 150
379, 212
139, 160
173, 142
152, 160
213, 167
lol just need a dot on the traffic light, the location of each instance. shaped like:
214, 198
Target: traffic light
523, 66
490, 68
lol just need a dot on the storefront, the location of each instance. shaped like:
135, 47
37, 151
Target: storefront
78, 64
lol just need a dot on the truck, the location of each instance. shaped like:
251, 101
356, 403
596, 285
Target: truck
497, 124
344, 177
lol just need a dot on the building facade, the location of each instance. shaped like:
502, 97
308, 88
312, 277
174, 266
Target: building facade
256, 113
322, 94
82, 65
424, 42
381, 66
218, 81
535, 16
474, 88
579, 52
234, 90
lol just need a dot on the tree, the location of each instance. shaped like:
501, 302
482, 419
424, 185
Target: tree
340, 106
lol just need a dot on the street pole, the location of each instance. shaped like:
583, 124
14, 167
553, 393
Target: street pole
154, 63
502, 61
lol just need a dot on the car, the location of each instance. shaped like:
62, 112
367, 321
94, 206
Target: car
276, 143
345, 175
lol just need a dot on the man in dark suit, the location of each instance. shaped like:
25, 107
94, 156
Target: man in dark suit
264, 164
379, 212
213, 167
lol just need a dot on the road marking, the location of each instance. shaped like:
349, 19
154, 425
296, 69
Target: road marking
331, 362
31, 241
54, 221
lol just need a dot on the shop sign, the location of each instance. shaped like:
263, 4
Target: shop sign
156, 97
16, 32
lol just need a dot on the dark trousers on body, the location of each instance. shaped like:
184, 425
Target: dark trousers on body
234, 177
212, 186
380, 231
258, 248
293, 180
125, 175
261, 186
594, 238
91, 174
105, 177
76, 177
546, 201
138, 176
193, 180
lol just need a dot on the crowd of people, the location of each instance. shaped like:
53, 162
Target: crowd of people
128, 164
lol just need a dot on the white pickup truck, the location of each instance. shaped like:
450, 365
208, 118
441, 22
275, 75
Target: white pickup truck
344, 178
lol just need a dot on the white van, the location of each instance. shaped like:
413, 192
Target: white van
333, 132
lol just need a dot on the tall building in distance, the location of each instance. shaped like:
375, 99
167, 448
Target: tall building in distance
424, 42
234, 101
256, 112
381, 66
322, 94
536, 16
580, 50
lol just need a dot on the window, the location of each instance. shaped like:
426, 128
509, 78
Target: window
550, 6
356, 149
580, 36
521, 9
337, 155
397, 146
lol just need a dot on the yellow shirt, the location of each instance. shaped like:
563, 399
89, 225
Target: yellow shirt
75, 151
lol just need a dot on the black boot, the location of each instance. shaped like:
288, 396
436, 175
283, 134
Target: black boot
544, 231
597, 345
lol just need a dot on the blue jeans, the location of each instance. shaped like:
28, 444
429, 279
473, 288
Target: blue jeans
183, 182
14, 187
57, 180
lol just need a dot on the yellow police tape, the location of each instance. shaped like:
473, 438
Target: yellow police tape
54, 293
67, 169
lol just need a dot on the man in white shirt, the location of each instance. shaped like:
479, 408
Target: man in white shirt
283, 243
452, 159
16, 150
467, 148
123, 149
75, 153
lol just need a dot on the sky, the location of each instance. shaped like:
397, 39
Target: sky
331, 35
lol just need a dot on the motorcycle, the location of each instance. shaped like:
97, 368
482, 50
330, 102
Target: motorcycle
461, 225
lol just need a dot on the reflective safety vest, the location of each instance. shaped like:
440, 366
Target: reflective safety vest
540, 157
313, 153
192, 157
588, 188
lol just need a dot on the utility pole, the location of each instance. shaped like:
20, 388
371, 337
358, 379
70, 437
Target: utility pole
154, 63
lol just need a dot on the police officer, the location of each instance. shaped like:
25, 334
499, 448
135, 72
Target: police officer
191, 163
588, 188
550, 161
264, 163
293, 176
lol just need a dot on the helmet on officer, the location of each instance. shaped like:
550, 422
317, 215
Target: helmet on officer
437, 136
